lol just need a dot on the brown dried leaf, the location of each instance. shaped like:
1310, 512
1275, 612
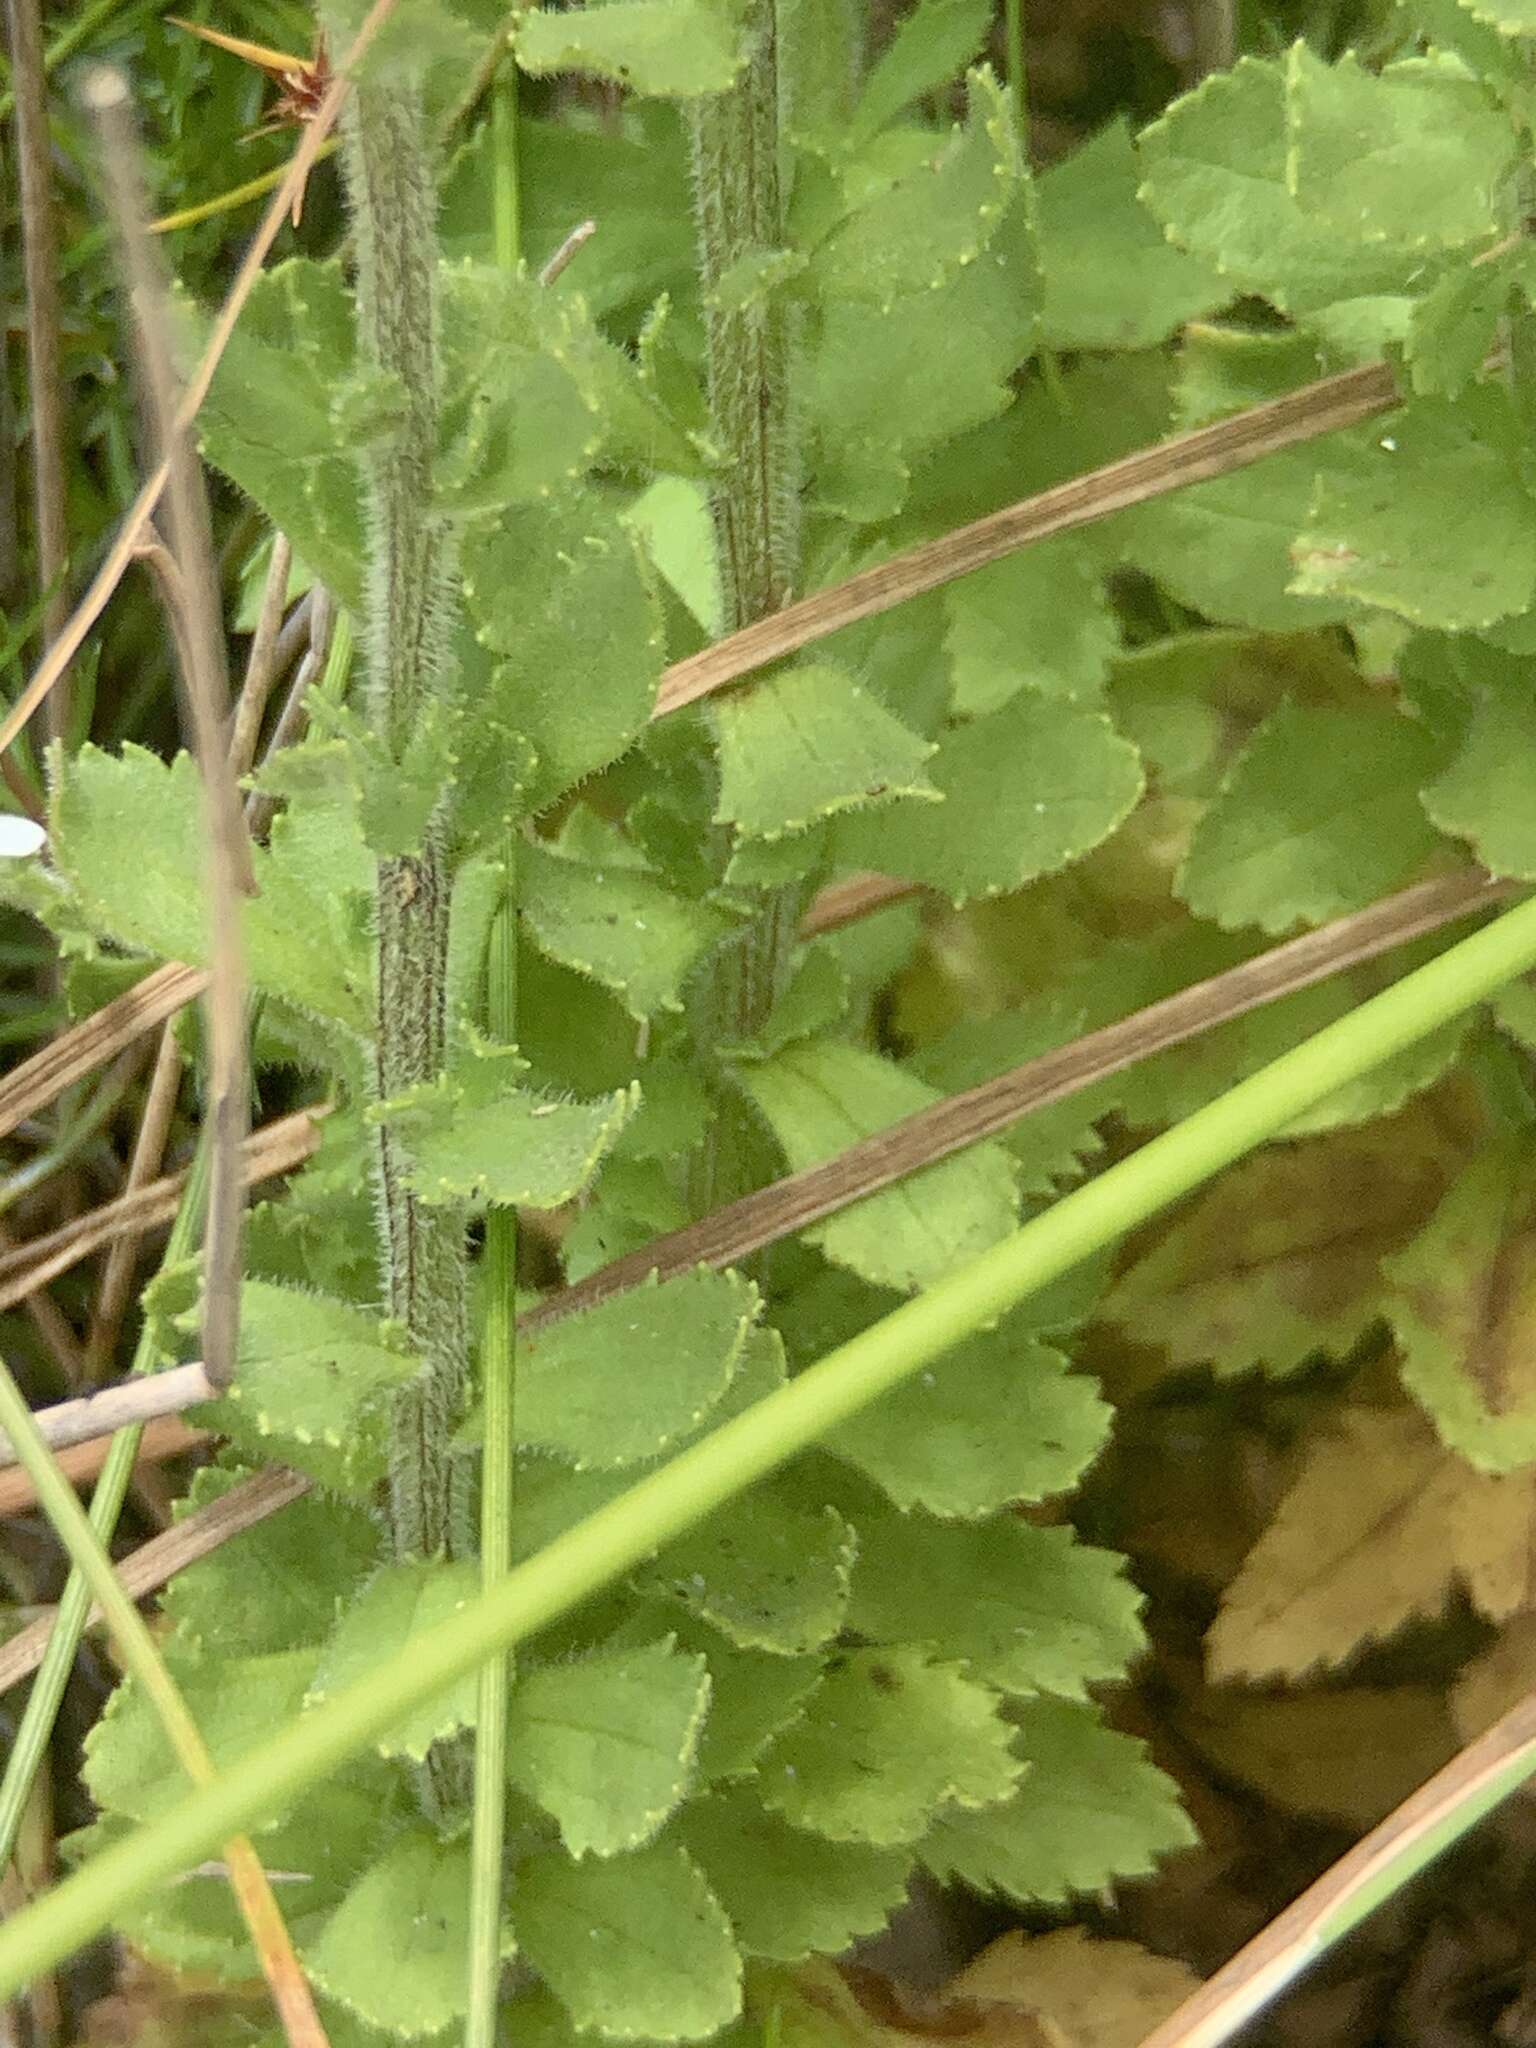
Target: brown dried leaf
1281, 1256
1348, 1755
1095, 1994
1358, 1547
1496, 1681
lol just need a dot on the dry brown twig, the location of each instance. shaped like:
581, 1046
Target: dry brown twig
193, 602
45, 381
271, 1150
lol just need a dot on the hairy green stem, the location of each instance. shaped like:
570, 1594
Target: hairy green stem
601, 1549
755, 502
408, 601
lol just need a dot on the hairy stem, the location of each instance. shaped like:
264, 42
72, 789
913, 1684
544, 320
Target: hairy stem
389, 178
755, 502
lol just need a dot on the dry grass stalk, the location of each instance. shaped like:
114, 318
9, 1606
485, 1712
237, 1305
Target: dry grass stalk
1205, 452
273, 1149
166, 1438
118, 556
195, 610
204, 1530
45, 381
95, 1040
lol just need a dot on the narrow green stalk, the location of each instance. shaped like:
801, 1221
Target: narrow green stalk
498, 1480
755, 502
498, 1359
723, 1464
389, 178
36, 1730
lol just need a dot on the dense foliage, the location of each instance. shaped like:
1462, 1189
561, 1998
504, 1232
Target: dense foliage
1128, 757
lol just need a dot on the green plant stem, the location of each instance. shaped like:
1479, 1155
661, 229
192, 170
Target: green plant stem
389, 179
755, 502
498, 1358
498, 1483
36, 1730
597, 1551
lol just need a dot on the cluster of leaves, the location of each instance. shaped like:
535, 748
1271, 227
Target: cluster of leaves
1256, 705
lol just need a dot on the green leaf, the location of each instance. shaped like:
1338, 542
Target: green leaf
770, 1571
788, 1893
1089, 1809
680, 47
1462, 1302
620, 1381
562, 593
915, 233
618, 924
636, 184
607, 1744
1480, 796
932, 42
1319, 814
1039, 619
312, 1387
1431, 519
398, 1602
274, 1586
1215, 172
878, 394
476, 1137
1224, 547
1026, 1609
892, 1739
304, 935
1455, 324
1112, 278
1416, 155
268, 420
806, 744
338, 1829
636, 1947
820, 1096
130, 1766
1027, 790
1000, 1419
394, 1949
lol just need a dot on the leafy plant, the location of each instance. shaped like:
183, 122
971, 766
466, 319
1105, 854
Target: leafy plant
545, 948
